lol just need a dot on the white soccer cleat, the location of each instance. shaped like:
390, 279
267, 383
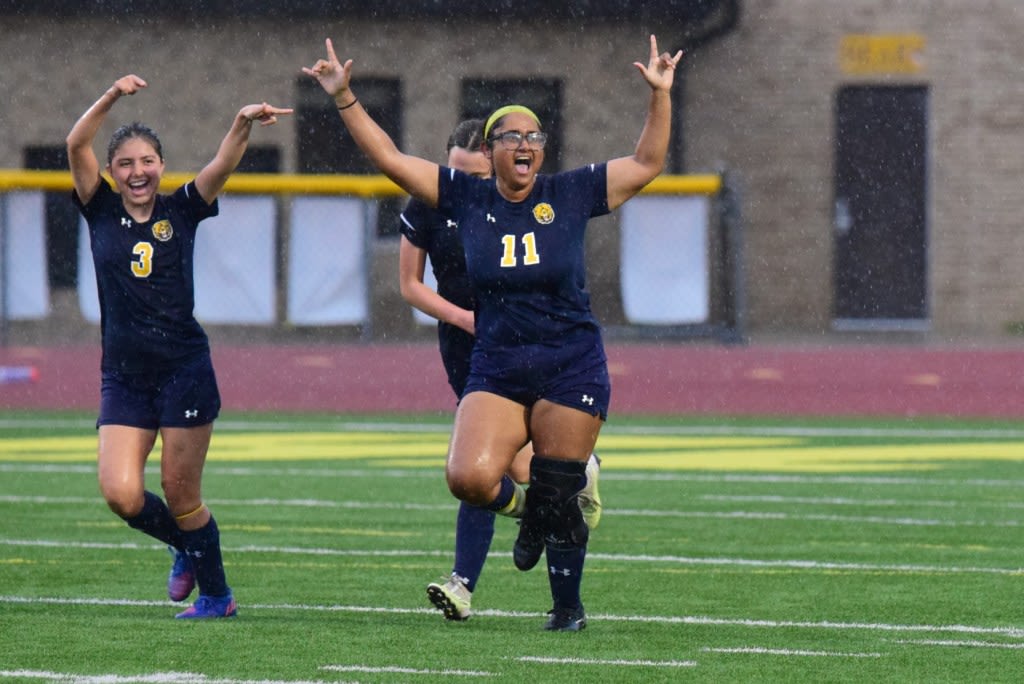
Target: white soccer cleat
589, 498
451, 596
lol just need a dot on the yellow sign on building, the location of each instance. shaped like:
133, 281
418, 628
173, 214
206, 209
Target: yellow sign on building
894, 53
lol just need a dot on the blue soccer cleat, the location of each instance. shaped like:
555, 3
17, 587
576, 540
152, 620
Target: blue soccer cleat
210, 607
182, 579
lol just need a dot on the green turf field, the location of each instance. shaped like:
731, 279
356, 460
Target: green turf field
729, 551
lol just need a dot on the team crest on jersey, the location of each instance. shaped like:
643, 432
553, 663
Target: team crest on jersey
543, 213
162, 230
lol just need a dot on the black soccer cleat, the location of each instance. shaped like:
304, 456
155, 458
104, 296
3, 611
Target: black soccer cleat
529, 544
566, 619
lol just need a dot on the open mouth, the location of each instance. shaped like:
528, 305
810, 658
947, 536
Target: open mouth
139, 185
523, 162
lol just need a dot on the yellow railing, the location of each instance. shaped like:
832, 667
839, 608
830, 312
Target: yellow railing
324, 184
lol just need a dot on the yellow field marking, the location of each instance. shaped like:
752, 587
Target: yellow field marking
607, 441
28, 445
250, 446
867, 458
619, 452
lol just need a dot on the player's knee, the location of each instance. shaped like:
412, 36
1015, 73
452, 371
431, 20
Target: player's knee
554, 485
125, 502
555, 480
465, 487
180, 493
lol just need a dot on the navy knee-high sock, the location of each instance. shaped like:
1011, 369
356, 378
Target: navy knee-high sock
474, 530
565, 574
203, 547
506, 494
155, 519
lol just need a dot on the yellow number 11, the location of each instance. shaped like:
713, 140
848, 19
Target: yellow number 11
508, 257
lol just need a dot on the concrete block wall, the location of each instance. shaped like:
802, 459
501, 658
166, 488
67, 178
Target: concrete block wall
758, 101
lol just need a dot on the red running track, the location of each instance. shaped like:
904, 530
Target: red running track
647, 379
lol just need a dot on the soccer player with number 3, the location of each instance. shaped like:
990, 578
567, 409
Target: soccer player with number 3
157, 375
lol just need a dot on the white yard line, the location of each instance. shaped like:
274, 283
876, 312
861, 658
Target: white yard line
797, 564
760, 650
242, 424
699, 620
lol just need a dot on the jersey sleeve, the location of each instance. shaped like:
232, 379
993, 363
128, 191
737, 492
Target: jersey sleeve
415, 223
594, 180
451, 185
100, 199
188, 197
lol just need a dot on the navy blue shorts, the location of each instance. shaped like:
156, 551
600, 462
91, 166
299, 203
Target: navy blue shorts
573, 374
185, 396
456, 347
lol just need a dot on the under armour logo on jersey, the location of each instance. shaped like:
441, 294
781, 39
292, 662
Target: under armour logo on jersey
451, 224
191, 413
491, 219
127, 223
588, 400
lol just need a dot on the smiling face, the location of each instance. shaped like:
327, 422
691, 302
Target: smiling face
515, 168
136, 168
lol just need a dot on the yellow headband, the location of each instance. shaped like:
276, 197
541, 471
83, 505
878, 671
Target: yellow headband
508, 109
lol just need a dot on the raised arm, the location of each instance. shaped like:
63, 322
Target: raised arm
416, 176
85, 167
210, 181
412, 262
628, 175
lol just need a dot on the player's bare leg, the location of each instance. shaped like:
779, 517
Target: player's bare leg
181, 468
489, 431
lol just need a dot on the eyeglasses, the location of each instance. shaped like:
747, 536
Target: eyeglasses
511, 140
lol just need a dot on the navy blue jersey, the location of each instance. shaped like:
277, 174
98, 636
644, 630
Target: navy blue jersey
525, 259
144, 279
436, 234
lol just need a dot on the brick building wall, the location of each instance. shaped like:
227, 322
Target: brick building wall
761, 101
758, 101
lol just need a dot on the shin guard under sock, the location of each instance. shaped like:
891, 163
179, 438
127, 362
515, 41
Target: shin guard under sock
203, 548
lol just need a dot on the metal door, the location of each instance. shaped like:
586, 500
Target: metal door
880, 275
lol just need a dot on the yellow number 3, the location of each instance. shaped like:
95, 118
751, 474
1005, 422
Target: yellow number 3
144, 266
